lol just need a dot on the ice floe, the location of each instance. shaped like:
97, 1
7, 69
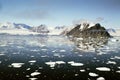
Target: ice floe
77, 64
51, 64
118, 71
2, 54
62, 50
32, 61
93, 74
103, 69
32, 78
60, 62
82, 70
17, 65
111, 62
72, 63
35, 73
28, 69
101, 78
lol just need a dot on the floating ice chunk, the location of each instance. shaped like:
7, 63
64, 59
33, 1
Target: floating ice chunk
42, 45
117, 57
2, 54
35, 73
77, 64
17, 65
71, 62
119, 67
103, 69
20, 47
44, 49
32, 78
93, 74
62, 50
54, 51
82, 70
117, 71
51, 64
32, 61
60, 62
28, 69
0, 62
35, 50
111, 62
101, 78
113, 40
76, 74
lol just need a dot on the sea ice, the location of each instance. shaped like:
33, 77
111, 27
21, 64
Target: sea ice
82, 70
118, 71
32, 78
60, 62
51, 64
103, 69
17, 65
93, 74
32, 61
71, 62
111, 62
101, 78
77, 64
62, 50
35, 73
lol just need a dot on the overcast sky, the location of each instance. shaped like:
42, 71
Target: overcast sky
60, 12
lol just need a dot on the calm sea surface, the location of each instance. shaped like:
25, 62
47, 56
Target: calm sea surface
56, 58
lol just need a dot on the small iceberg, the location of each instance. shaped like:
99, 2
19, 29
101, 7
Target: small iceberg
103, 69
77, 64
101, 78
93, 74
32, 78
111, 62
35, 73
32, 61
60, 62
51, 64
17, 65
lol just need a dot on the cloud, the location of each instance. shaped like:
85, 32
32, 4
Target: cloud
81, 21
33, 14
99, 19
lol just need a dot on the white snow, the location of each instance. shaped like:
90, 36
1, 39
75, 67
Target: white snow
103, 69
35, 73
17, 65
101, 78
93, 74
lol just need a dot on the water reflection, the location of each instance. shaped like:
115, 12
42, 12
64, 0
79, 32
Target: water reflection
90, 44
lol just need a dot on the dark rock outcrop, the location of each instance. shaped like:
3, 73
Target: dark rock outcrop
95, 31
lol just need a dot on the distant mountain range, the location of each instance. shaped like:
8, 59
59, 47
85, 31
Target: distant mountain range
24, 29
15, 28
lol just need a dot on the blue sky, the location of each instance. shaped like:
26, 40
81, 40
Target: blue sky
60, 12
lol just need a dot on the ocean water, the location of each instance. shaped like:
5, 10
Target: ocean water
57, 58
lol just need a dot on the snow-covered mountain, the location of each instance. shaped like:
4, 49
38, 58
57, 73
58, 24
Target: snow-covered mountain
23, 29
9, 25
